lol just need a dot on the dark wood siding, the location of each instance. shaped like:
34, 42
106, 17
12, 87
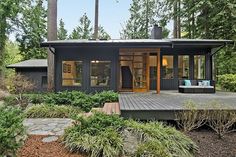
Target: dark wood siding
35, 75
172, 84
86, 55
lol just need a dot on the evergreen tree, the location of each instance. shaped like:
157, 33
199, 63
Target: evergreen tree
62, 32
102, 34
83, 30
9, 10
32, 30
143, 15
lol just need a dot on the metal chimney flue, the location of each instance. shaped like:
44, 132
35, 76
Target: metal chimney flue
156, 32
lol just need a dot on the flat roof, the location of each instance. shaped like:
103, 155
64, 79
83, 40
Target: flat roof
32, 63
171, 43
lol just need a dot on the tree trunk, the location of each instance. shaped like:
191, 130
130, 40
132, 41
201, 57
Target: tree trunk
178, 20
175, 19
147, 19
96, 19
3, 26
52, 35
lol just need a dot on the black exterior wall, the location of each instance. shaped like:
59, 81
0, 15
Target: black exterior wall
87, 54
172, 84
36, 76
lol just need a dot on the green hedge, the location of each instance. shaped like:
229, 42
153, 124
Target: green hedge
227, 82
75, 98
12, 131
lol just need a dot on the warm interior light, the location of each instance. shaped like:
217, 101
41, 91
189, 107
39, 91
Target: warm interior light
164, 62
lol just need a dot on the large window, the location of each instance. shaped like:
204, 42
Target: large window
183, 66
199, 67
100, 73
72, 73
167, 66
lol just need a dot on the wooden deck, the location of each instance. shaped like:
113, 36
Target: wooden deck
163, 106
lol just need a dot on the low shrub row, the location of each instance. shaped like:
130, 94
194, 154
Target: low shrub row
219, 118
110, 136
75, 98
51, 111
12, 131
227, 82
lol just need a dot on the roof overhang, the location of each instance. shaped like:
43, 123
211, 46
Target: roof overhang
33, 63
152, 43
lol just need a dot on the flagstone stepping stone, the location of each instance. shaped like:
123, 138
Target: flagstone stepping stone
50, 139
47, 126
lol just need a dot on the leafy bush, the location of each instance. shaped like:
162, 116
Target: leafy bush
96, 135
14, 100
79, 99
106, 96
35, 98
102, 135
228, 82
175, 142
51, 111
12, 132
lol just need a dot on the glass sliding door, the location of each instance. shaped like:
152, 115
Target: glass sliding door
168, 66
140, 72
183, 66
199, 67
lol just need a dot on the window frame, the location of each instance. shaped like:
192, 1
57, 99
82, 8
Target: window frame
204, 73
162, 67
90, 75
74, 79
189, 68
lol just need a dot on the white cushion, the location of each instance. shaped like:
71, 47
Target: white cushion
196, 86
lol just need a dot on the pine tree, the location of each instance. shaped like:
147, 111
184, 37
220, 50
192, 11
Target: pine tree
102, 34
32, 30
83, 30
143, 15
62, 32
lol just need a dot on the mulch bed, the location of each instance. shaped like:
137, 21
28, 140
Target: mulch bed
34, 147
211, 146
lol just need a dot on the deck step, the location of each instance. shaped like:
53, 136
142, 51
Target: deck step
111, 108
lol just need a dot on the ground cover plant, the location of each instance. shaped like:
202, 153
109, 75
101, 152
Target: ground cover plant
51, 111
69, 98
103, 135
227, 82
12, 131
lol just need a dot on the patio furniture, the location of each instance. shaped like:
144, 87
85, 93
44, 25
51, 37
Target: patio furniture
196, 86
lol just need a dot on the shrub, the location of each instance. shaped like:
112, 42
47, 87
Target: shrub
51, 111
96, 135
35, 98
102, 135
152, 148
106, 96
191, 118
175, 142
12, 132
221, 120
14, 100
227, 82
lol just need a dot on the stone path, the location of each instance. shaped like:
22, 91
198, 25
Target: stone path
47, 126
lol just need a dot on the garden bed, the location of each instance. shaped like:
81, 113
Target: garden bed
34, 147
210, 145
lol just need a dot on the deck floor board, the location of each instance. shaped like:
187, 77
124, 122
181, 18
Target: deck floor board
171, 101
